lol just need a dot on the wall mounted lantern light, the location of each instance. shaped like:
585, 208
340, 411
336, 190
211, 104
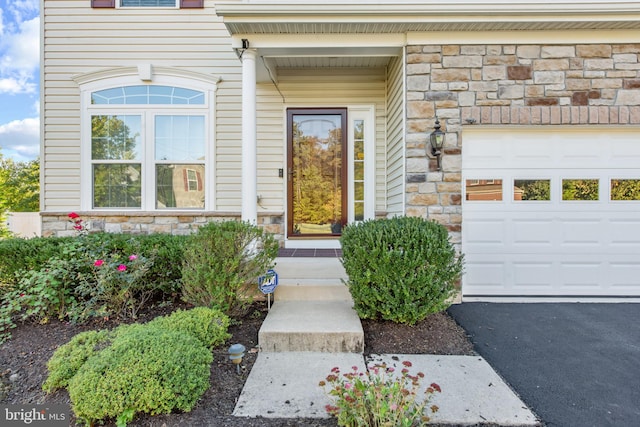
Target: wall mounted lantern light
437, 141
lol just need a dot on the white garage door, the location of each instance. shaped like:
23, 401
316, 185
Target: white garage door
551, 212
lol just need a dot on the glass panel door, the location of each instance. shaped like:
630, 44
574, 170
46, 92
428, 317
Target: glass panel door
316, 172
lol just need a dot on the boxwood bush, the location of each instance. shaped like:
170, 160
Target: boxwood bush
400, 269
208, 325
140, 368
144, 370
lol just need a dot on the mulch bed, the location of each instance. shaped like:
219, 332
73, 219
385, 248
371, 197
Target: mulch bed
23, 363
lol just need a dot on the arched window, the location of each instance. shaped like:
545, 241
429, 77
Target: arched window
147, 146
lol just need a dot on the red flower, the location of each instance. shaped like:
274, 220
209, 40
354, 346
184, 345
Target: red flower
436, 387
98, 262
74, 215
122, 267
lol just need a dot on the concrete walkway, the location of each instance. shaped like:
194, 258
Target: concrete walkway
286, 385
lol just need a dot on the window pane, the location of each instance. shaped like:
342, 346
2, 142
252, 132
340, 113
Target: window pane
579, 189
116, 185
147, 3
179, 186
484, 189
359, 211
358, 150
358, 190
532, 189
179, 138
358, 130
148, 95
358, 171
115, 137
625, 189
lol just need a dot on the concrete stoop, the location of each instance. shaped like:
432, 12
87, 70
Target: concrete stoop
313, 309
311, 279
317, 326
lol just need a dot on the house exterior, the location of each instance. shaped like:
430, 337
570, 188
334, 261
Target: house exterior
305, 116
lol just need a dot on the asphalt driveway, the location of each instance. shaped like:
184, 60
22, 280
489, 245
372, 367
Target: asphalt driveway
572, 364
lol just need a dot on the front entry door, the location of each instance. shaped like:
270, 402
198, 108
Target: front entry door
317, 177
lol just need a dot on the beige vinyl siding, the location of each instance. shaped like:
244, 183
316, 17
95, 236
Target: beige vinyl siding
328, 87
79, 40
395, 136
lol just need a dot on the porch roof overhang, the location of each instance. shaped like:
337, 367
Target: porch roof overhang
391, 17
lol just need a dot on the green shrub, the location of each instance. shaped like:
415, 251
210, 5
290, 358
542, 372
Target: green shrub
144, 370
18, 255
222, 262
399, 269
68, 358
49, 291
208, 325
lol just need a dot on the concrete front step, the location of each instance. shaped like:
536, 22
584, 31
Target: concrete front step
319, 326
311, 279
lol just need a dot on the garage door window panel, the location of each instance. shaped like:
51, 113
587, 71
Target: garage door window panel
531, 190
580, 189
625, 189
488, 189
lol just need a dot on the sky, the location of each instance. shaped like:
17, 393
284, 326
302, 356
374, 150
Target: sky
20, 79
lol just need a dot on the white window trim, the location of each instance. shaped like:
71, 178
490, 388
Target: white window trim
129, 77
366, 114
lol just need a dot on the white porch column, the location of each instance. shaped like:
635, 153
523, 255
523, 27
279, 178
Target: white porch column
249, 138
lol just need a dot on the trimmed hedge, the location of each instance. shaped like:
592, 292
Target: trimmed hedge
400, 269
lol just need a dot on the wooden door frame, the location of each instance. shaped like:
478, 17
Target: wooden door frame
344, 179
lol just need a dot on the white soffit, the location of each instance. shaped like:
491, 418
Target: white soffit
386, 17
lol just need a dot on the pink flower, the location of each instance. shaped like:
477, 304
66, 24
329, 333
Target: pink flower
122, 267
348, 386
98, 262
74, 215
133, 257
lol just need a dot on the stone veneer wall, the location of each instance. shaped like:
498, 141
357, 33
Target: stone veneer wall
475, 85
58, 224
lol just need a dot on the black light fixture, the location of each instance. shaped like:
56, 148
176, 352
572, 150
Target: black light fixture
437, 141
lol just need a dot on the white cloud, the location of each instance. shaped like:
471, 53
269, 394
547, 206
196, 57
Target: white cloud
22, 48
13, 86
23, 9
19, 47
20, 139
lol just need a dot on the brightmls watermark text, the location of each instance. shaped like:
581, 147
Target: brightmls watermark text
34, 415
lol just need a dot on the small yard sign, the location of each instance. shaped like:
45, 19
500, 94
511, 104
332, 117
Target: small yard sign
268, 282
